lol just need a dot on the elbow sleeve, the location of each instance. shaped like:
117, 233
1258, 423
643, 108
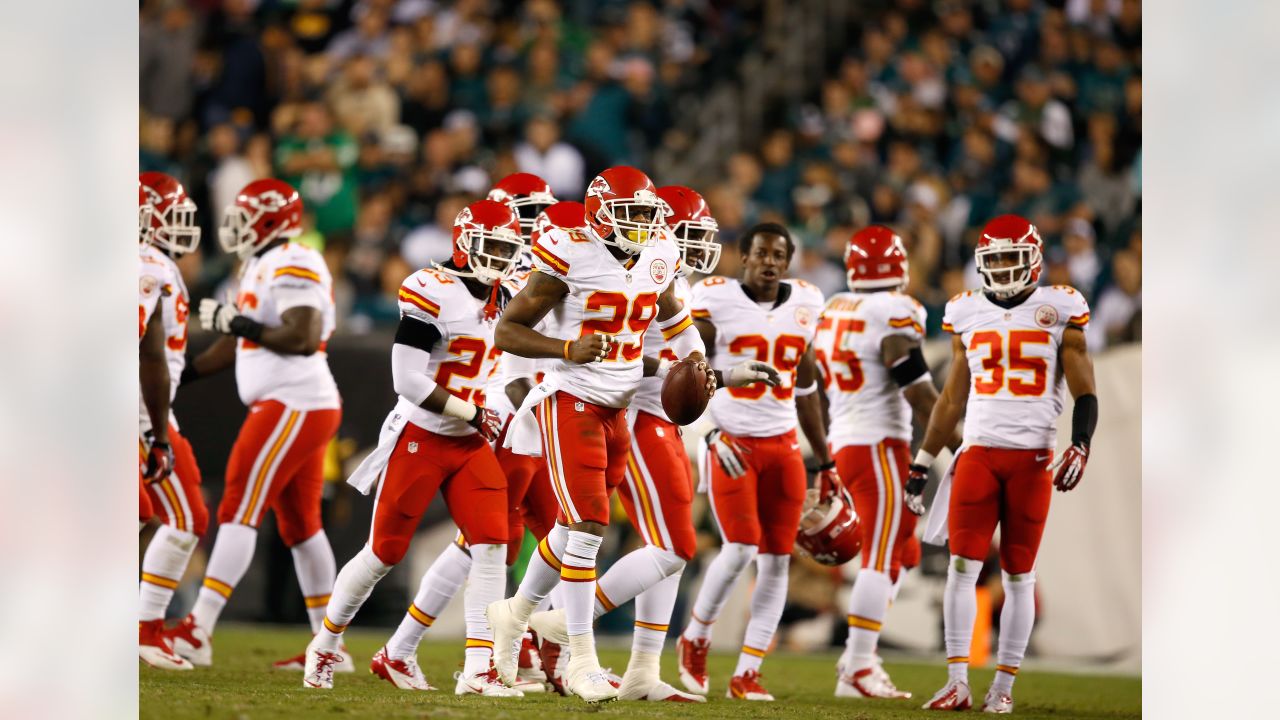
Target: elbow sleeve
409, 373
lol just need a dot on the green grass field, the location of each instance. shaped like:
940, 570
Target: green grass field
242, 685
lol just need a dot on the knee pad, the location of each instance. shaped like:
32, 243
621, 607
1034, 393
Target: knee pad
668, 562
739, 555
770, 565
488, 554
1024, 582
964, 570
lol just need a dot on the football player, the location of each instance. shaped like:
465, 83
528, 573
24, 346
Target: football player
1013, 345
529, 498
275, 335
658, 488
606, 282
437, 440
876, 381
166, 230
757, 478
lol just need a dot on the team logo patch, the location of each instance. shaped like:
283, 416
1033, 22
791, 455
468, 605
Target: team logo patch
147, 284
804, 316
1046, 316
579, 407
658, 270
413, 447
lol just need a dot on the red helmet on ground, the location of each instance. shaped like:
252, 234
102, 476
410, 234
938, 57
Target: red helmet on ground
1008, 255
264, 210
876, 259
694, 228
829, 530
624, 210
526, 194
166, 216
486, 241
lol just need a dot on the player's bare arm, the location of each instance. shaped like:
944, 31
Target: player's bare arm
517, 390
1077, 368
153, 376
515, 334
809, 409
941, 431
217, 357
904, 359
299, 332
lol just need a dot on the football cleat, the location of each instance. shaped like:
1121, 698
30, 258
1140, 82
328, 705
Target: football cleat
404, 674
691, 657
747, 687
154, 648
646, 685
298, 662
867, 683
483, 683
998, 703
191, 642
530, 677
551, 625
954, 695
318, 671
586, 679
508, 634
555, 660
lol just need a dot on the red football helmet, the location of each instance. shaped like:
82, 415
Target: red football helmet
694, 228
486, 241
1008, 255
526, 194
829, 531
166, 216
264, 210
624, 210
876, 259
564, 214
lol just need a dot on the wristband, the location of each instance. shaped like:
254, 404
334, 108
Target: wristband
567, 343
247, 328
829, 465
459, 408
924, 458
813, 388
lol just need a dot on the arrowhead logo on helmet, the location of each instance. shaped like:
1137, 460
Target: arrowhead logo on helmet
623, 209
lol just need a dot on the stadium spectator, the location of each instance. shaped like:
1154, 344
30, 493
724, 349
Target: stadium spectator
320, 161
1117, 316
544, 155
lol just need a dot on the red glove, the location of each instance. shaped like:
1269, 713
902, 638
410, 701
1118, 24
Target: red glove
1070, 467
828, 480
487, 423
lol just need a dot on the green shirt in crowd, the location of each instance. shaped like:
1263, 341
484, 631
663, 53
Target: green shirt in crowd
330, 196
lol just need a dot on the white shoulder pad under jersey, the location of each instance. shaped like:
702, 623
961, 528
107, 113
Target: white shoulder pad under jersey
606, 296
464, 358
865, 403
776, 333
285, 277
1016, 386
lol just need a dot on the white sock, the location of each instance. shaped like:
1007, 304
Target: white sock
721, 574
542, 575
767, 601
578, 573
653, 616
313, 562
355, 582
959, 608
438, 586
162, 567
867, 606
555, 598
1016, 619
486, 583
634, 572
229, 561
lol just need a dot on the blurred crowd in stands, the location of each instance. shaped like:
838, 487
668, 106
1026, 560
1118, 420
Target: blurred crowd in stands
390, 115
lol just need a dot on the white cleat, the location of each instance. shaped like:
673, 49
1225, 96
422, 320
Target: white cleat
691, 658
997, 703
551, 625
867, 683
155, 650
298, 662
191, 642
954, 695
655, 692
318, 672
747, 687
508, 633
484, 683
586, 679
404, 674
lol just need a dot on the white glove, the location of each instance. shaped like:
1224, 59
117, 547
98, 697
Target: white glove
216, 316
750, 371
727, 453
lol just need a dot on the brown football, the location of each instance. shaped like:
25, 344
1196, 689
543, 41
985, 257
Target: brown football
684, 392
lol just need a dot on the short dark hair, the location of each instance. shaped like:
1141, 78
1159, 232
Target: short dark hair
766, 228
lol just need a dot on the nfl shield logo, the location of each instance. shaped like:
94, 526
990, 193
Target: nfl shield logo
579, 406
413, 447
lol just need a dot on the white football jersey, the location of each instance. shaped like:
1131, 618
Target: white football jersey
649, 397
464, 358
777, 334
1016, 385
604, 297
285, 277
865, 403
161, 287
